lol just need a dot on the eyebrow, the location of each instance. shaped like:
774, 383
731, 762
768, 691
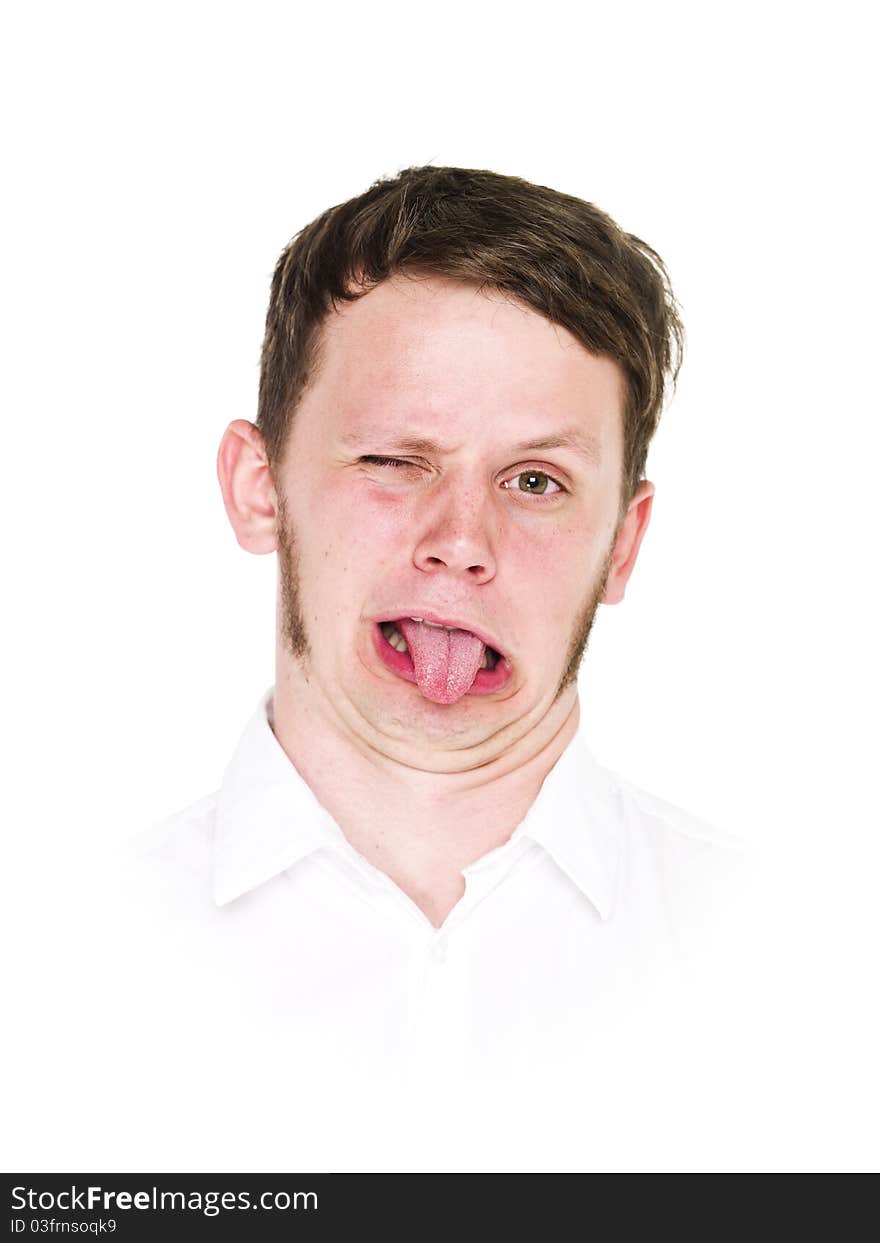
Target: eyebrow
579, 441
576, 439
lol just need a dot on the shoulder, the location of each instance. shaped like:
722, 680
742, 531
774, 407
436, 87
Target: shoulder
665, 825
692, 868
173, 858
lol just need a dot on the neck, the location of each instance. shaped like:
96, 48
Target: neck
420, 827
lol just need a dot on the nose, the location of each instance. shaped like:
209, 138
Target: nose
456, 534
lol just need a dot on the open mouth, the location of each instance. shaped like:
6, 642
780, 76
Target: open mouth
445, 662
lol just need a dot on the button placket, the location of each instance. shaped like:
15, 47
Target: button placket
437, 1016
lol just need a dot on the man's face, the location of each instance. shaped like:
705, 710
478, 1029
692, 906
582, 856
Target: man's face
497, 520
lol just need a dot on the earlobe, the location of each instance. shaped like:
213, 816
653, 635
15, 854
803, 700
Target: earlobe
626, 545
247, 487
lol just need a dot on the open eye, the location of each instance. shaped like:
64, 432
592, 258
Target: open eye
534, 483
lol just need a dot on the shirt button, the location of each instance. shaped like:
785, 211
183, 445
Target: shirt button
438, 953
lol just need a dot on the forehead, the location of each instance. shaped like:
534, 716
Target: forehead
449, 354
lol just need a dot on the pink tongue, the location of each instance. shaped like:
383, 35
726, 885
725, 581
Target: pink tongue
446, 661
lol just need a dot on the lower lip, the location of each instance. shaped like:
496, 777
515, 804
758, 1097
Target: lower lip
486, 682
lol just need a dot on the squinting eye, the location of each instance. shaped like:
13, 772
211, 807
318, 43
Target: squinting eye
534, 482
385, 461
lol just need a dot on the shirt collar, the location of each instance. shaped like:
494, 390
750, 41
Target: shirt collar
577, 818
268, 818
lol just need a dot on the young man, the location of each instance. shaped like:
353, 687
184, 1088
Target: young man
413, 858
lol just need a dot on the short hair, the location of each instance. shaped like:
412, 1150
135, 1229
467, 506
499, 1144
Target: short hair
558, 254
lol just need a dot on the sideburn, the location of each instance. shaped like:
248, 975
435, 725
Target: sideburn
582, 628
293, 629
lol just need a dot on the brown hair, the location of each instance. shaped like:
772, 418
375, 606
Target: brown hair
558, 254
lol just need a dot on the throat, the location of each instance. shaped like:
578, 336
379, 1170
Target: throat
419, 826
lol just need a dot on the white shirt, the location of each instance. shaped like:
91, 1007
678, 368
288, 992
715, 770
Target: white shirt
561, 932
272, 1002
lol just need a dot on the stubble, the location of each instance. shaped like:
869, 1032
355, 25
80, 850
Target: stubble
293, 626
581, 631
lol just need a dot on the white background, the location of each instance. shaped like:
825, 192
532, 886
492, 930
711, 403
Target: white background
157, 158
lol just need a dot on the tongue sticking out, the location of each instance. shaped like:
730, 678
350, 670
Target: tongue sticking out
446, 661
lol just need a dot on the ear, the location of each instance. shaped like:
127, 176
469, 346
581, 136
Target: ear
626, 544
246, 484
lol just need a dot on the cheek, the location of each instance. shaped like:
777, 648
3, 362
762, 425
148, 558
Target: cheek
549, 573
383, 519
357, 533
566, 556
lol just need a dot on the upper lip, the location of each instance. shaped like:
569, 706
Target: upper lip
456, 623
